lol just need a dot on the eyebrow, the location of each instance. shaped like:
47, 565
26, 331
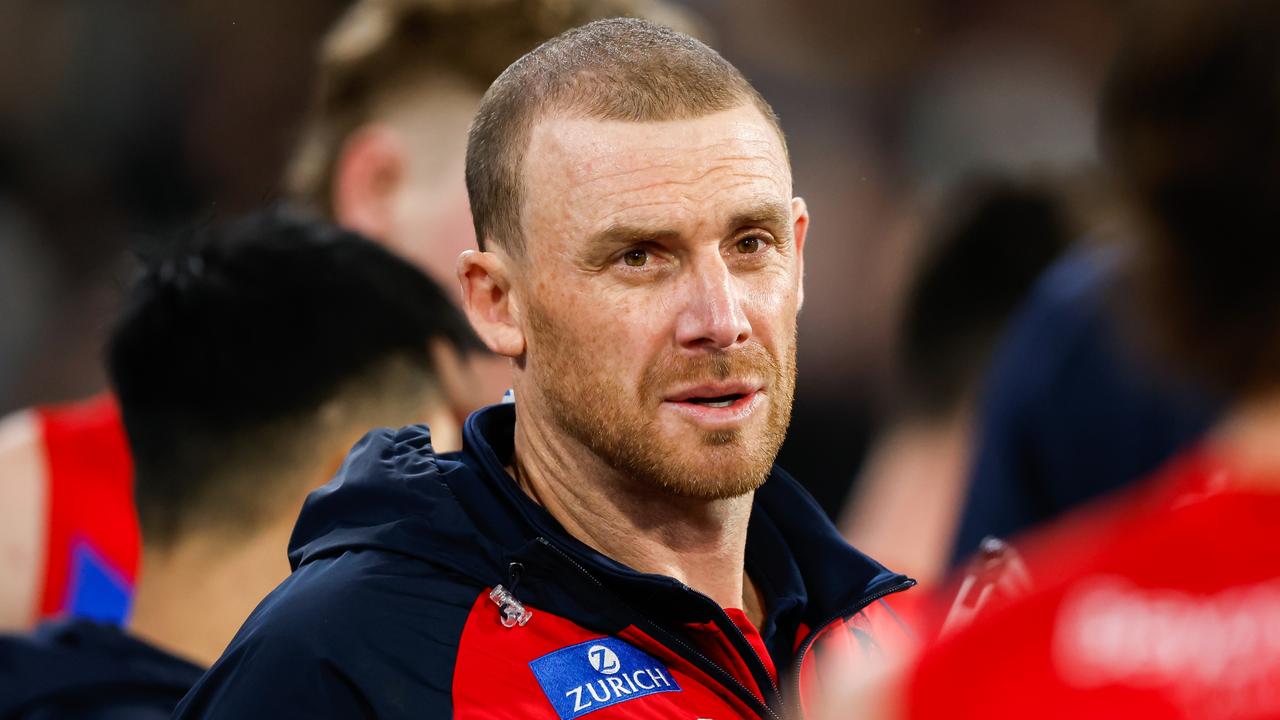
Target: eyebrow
768, 214
622, 235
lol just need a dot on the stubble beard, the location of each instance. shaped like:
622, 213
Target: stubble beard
612, 421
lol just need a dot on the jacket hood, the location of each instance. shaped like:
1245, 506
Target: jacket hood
390, 494
463, 512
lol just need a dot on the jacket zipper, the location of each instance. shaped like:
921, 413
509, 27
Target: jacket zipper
762, 709
730, 628
854, 609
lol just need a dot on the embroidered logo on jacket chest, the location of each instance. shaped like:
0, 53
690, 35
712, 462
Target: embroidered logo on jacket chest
598, 673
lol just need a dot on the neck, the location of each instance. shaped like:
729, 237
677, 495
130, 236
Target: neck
1248, 435
192, 597
701, 543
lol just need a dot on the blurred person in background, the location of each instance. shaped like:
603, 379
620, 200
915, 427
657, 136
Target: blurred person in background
381, 152
900, 101
992, 238
619, 538
1073, 406
67, 526
1163, 602
247, 361
383, 149
107, 114
91, 115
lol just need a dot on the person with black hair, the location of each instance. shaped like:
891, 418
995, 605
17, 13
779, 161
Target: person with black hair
246, 364
381, 153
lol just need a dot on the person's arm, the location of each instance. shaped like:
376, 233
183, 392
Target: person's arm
23, 519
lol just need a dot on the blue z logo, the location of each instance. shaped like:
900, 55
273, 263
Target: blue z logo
595, 674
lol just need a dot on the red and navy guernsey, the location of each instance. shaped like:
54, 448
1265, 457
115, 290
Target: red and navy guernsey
389, 614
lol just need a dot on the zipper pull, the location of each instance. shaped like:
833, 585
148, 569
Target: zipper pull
513, 611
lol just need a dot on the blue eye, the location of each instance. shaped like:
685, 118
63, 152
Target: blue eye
636, 257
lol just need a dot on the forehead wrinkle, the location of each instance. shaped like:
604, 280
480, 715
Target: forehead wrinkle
739, 178
611, 217
585, 177
605, 154
578, 164
687, 181
774, 194
761, 189
708, 156
760, 209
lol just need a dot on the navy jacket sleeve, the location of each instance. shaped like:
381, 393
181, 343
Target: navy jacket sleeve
273, 677
333, 642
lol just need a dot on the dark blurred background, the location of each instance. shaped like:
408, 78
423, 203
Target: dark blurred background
119, 118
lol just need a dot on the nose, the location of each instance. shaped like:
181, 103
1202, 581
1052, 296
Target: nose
712, 315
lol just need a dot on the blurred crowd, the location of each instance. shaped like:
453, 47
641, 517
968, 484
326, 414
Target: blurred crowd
140, 115
993, 334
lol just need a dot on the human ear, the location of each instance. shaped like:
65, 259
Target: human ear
489, 302
370, 170
799, 229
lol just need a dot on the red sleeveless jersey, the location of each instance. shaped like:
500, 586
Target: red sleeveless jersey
92, 539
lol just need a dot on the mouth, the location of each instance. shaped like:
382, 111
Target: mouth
718, 403
716, 394
722, 401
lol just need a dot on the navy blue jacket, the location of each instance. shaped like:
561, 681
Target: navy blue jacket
83, 670
1071, 410
388, 612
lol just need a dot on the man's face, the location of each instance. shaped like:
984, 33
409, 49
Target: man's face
659, 288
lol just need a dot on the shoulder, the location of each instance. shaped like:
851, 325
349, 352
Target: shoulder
1066, 309
361, 600
367, 590
363, 634
1058, 354
67, 663
23, 480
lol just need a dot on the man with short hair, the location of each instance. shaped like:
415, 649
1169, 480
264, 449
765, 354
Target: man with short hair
383, 148
246, 366
616, 540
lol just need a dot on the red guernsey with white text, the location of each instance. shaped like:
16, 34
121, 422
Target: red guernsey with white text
1166, 604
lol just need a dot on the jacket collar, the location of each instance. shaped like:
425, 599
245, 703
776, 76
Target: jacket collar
798, 560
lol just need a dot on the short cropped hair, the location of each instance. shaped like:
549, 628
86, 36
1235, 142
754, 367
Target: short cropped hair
618, 69
380, 50
229, 345
1191, 124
